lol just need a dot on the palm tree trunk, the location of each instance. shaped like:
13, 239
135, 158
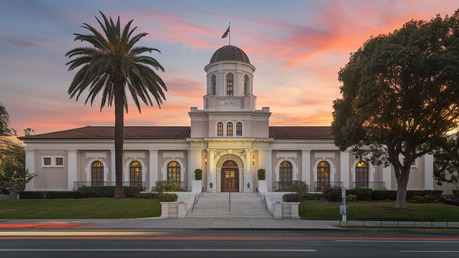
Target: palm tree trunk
119, 140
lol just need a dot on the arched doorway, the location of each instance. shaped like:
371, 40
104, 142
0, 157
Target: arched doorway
230, 177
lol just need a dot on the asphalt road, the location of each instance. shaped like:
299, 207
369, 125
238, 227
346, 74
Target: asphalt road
227, 243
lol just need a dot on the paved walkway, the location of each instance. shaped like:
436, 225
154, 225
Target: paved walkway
203, 223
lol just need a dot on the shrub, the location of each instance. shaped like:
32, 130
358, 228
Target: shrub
332, 194
168, 197
291, 198
166, 186
49, 195
313, 196
107, 191
147, 196
424, 199
261, 173
300, 187
198, 174
351, 198
362, 194
381, 195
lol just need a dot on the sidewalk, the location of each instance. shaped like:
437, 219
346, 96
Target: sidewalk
186, 223
206, 223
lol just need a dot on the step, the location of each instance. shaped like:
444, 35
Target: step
216, 205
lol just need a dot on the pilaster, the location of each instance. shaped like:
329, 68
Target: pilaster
154, 169
344, 169
71, 168
30, 166
306, 167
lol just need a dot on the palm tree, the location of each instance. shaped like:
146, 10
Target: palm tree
111, 66
4, 119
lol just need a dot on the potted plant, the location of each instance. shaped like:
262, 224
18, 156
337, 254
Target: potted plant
262, 184
197, 182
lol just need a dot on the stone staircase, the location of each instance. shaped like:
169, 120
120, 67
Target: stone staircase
216, 205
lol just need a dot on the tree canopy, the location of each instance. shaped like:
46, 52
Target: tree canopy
4, 119
112, 65
400, 95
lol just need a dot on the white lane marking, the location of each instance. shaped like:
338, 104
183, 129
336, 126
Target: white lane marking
427, 251
396, 241
156, 250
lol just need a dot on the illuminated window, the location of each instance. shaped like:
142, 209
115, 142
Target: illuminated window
135, 174
229, 129
220, 129
47, 161
323, 175
238, 129
361, 174
173, 172
229, 84
285, 171
97, 173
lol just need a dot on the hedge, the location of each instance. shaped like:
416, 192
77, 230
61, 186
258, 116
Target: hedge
291, 198
380, 195
168, 197
362, 194
107, 191
49, 195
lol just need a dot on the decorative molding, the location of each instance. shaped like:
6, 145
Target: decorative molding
96, 155
134, 155
172, 155
324, 155
286, 155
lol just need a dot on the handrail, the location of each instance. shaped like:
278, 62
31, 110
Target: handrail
196, 199
262, 198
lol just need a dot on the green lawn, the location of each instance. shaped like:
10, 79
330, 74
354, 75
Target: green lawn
330, 211
91, 208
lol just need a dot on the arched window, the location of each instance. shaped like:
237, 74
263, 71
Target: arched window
238, 129
246, 84
173, 172
97, 173
229, 129
361, 174
229, 84
219, 129
214, 84
285, 171
323, 175
135, 174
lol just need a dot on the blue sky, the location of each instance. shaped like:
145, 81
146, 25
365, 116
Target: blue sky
297, 47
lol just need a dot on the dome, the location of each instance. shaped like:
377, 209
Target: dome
229, 52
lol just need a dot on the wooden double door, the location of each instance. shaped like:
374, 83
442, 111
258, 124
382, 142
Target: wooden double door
230, 177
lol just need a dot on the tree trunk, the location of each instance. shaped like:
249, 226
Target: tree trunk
119, 140
402, 184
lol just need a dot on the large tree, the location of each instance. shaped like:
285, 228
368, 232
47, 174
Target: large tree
4, 119
446, 168
112, 65
400, 96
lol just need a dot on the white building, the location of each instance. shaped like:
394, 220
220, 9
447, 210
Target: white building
229, 139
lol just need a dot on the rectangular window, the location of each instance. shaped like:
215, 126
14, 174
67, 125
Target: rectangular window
229, 128
229, 88
238, 129
46, 161
59, 161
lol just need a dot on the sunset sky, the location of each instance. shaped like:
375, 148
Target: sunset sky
297, 48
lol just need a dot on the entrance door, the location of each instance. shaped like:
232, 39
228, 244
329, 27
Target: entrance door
230, 177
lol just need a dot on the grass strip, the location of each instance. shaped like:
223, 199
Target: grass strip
91, 208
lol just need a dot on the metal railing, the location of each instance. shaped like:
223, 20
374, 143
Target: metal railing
78, 184
320, 186
196, 199
375, 185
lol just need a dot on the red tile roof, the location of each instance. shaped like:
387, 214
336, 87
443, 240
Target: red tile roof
176, 132
300, 132
108, 132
